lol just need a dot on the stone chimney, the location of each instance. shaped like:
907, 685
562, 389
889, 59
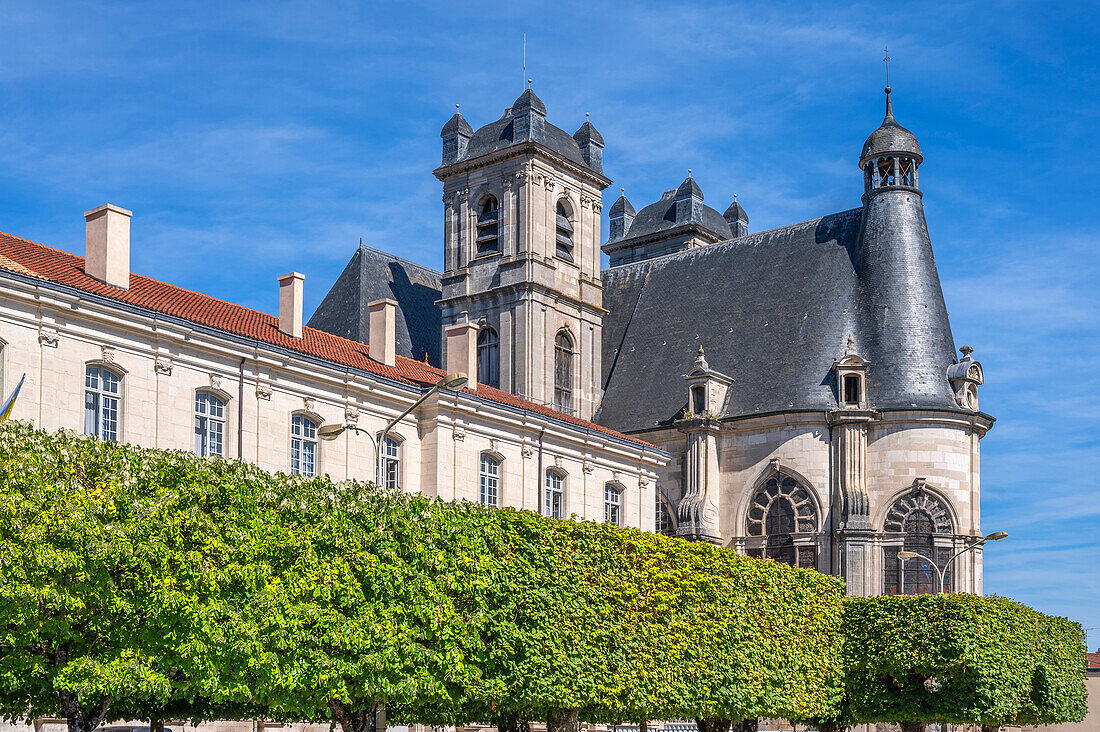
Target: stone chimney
382, 337
107, 245
290, 304
462, 350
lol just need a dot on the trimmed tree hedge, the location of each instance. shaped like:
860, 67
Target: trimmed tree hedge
139, 583
961, 659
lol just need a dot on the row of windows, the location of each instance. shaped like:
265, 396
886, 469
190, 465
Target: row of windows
487, 240
553, 492
102, 404
488, 365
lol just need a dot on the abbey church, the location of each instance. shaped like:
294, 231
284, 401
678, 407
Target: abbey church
803, 381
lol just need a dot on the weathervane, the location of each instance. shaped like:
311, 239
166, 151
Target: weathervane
886, 59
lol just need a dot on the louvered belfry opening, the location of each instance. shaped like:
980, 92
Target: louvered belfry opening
488, 219
563, 372
564, 232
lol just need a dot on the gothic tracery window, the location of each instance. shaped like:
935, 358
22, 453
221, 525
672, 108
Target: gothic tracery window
783, 514
923, 526
563, 372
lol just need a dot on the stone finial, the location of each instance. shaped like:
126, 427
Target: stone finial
850, 349
701, 360
966, 351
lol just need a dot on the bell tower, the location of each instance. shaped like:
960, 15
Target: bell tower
521, 236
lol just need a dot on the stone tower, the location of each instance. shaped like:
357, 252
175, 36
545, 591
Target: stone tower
522, 202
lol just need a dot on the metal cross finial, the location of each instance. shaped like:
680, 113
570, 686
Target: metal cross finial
886, 59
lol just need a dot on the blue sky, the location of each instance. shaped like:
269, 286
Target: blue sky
250, 141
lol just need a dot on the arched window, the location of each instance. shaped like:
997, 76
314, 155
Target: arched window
554, 495
923, 526
612, 504
886, 172
389, 462
101, 403
488, 218
303, 446
209, 424
564, 231
489, 480
663, 521
488, 358
563, 372
783, 514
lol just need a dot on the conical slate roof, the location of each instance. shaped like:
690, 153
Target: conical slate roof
456, 125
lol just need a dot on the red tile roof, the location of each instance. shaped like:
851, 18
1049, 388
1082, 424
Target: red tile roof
54, 265
1092, 660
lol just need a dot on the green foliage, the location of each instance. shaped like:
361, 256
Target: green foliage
961, 659
139, 583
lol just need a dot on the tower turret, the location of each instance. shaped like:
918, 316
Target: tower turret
456, 136
736, 217
620, 217
903, 316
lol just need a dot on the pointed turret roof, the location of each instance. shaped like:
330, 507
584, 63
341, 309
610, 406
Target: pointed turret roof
735, 213
890, 137
457, 125
621, 206
689, 188
588, 133
528, 100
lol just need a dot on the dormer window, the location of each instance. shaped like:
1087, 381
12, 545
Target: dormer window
698, 399
564, 231
488, 217
852, 395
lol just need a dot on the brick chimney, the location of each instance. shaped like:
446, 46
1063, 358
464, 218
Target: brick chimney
290, 304
107, 245
382, 337
462, 350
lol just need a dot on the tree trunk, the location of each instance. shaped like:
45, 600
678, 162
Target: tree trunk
643, 726
564, 720
714, 725
79, 718
156, 725
749, 725
912, 726
354, 720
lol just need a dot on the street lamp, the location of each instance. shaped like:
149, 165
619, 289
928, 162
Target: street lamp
995, 536
332, 431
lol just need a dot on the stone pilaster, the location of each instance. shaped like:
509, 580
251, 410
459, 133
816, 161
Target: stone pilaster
699, 507
851, 506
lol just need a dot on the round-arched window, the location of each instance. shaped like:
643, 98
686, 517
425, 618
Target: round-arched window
922, 525
784, 515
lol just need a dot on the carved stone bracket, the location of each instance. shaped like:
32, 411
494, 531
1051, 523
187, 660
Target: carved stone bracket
162, 365
309, 404
263, 390
351, 415
527, 452
215, 381
588, 467
48, 337
597, 206
107, 353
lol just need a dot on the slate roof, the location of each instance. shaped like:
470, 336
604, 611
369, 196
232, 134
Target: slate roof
773, 310
890, 137
661, 216
372, 274
53, 265
501, 134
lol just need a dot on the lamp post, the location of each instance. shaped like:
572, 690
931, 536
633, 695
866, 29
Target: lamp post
332, 431
995, 536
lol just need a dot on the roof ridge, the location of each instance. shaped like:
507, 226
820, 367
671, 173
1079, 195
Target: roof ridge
399, 259
724, 242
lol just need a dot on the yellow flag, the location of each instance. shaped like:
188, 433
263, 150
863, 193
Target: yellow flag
5, 411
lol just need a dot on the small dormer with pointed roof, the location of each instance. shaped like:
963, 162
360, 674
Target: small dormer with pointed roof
679, 221
706, 388
590, 141
737, 219
456, 136
620, 217
851, 378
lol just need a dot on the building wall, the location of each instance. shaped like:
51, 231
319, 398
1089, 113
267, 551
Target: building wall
940, 449
51, 335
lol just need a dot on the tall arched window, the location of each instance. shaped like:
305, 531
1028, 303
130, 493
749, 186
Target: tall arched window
209, 424
488, 357
663, 521
922, 525
101, 403
554, 495
489, 480
783, 514
303, 446
564, 231
488, 217
563, 372
612, 504
389, 461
